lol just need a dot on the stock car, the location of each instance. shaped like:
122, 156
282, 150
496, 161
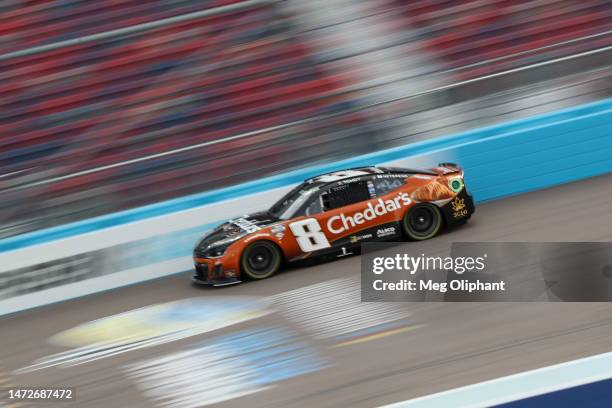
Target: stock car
331, 214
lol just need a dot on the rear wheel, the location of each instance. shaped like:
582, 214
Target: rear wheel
422, 221
260, 260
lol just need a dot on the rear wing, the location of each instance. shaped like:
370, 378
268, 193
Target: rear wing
444, 169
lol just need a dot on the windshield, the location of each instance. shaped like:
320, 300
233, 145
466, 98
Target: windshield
287, 206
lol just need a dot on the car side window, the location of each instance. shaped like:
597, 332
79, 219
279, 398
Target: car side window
316, 206
345, 194
387, 184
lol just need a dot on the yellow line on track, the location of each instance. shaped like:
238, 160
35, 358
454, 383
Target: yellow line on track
378, 335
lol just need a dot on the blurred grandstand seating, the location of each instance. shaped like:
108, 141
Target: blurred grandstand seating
468, 32
117, 99
114, 100
25, 24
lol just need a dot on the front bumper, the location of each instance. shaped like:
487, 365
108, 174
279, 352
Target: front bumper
208, 272
215, 282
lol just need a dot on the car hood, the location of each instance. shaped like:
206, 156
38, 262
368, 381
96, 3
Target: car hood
253, 222
235, 229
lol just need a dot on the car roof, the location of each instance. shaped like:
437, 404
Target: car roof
338, 175
358, 172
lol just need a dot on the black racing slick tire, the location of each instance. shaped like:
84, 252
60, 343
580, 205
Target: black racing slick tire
421, 222
260, 260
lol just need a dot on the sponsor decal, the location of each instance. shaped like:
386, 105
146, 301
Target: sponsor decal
371, 189
432, 192
456, 184
422, 177
344, 253
340, 223
384, 176
459, 207
349, 181
278, 228
245, 225
356, 238
339, 175
278, 231
384, 232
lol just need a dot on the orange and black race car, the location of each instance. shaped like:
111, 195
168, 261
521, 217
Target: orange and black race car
329, 215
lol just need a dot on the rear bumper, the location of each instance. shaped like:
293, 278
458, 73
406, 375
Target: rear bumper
459, 209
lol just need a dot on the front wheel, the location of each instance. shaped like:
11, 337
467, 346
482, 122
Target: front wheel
423, 221
261, 260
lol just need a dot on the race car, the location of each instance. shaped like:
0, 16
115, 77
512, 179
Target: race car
331, 214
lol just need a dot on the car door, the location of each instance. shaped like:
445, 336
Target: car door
327, 225
345, 223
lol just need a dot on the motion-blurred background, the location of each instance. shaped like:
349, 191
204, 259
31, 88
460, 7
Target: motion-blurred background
110, 105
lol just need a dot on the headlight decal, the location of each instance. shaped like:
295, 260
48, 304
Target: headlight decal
456, 184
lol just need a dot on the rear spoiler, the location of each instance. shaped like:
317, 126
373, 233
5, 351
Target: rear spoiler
447, 168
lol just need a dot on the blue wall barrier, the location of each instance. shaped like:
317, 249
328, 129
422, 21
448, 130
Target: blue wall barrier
499, 160
154, 241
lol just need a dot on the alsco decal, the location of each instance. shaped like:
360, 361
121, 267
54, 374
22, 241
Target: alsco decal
385, 232
341, 223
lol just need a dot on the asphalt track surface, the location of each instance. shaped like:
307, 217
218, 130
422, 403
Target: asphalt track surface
438, 347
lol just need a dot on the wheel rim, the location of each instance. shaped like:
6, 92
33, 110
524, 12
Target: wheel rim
259, 259
423, 221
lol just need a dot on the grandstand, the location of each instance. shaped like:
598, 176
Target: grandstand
79, 117
463, 33
25, 24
